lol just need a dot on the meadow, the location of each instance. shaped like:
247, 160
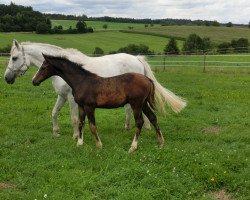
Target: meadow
206, 150
98, 25
108, 41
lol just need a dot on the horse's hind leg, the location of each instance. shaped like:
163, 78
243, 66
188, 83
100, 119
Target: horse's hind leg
138, 123
128, 112
90, 111
152, 118
82, 115
74, 113
57, 107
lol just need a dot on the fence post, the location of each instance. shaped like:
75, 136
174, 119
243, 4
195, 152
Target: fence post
204, 62
164, 62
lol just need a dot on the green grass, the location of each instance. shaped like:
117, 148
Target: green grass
191, 165
97, 25
216, 34
108, 41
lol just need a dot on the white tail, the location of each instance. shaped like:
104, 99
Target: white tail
162, 94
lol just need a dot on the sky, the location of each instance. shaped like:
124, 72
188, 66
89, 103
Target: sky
223, 11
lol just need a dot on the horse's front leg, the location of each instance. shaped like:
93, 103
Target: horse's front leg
90, 111
57, 107
82, 115
74, 113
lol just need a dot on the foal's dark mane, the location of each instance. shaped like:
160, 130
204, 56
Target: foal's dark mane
71, 64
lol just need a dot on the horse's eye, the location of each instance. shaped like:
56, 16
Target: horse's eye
14, 58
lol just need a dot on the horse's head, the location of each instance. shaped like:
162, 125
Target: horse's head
46, 70
17, 64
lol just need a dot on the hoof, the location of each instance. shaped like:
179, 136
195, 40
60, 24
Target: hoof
132, 149
79, 142
127, 126
99, 145
56, 135
147, 126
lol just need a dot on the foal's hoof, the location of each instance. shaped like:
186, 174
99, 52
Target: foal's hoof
79, 142
132, 149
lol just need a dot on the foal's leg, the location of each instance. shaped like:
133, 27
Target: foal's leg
128, 112
152, 118
82, 115
138, 123
57, 107
74, 113
90, 111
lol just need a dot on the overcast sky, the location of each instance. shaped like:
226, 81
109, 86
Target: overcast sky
220, 10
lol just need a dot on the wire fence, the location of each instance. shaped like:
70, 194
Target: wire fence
162, 62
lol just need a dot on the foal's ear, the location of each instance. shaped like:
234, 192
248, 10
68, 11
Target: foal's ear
46, 57
15, 42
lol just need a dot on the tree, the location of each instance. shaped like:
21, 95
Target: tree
248, 24
42, 28
193, 43
171, 47
98, 51
81, 26
105, 26
229, 24
241, 45
224, 47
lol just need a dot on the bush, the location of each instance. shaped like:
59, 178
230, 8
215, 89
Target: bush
195, 43
224, 47
241, 45
81, 27
98, 51
5, 49
171, 47
42, 28
136, 49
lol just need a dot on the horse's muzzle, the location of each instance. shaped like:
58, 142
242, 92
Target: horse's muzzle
9, 80
35, 83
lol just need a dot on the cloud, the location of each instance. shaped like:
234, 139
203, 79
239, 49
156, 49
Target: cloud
220, 10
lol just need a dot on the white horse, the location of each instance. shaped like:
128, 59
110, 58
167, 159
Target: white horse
25, 54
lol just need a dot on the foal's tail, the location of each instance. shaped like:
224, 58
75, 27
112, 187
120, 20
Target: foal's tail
151, 97
163, 95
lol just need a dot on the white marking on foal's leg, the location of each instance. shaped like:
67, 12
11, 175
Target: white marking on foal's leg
79, 142
146, 122
133, 145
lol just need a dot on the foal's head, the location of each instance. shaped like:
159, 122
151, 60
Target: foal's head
46, 70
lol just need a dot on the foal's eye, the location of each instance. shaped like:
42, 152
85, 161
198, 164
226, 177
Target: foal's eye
14, 58
43, 68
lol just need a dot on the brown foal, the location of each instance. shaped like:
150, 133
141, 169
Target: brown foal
91, 91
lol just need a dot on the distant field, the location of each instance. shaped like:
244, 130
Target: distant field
216, 34
108, 41
96, 25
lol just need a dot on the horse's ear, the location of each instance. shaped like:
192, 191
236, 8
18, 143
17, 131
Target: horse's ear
15, 42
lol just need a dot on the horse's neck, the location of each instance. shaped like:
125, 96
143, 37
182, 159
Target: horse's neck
73, 75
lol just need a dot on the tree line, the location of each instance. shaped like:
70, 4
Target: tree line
17, 18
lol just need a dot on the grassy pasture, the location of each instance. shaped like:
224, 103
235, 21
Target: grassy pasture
97, 25
108, 41
207, 145
216, 34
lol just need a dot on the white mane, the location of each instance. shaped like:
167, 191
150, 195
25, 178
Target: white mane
71, 54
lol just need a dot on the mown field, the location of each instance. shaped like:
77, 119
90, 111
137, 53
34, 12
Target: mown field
97, 25
216, 34
206, 151
108, 41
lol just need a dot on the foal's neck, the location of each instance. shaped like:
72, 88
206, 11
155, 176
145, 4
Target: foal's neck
74, 75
